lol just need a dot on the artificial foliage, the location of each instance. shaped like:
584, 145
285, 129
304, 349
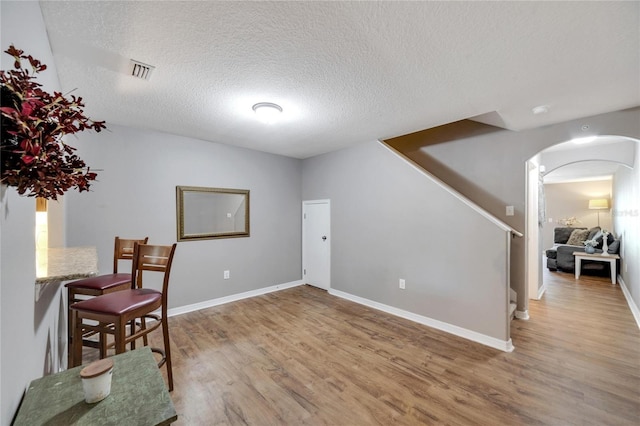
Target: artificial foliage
34, 157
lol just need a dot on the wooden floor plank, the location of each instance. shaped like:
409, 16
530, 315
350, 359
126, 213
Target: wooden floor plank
303, 357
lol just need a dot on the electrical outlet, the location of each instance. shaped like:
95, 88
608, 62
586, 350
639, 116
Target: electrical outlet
510, 211
227, 275
402, 284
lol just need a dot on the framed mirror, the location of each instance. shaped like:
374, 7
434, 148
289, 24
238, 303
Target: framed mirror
207, 213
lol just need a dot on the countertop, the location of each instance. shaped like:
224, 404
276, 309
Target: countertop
65, 263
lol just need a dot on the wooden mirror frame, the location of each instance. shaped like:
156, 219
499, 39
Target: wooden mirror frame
204, 229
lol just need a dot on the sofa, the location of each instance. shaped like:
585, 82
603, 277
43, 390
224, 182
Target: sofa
560, 256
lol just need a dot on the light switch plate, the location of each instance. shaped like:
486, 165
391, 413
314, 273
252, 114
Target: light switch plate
510, 211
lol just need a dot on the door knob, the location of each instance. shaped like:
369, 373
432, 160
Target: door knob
324, 238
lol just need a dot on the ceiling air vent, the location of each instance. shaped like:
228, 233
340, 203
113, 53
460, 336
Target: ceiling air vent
140, 70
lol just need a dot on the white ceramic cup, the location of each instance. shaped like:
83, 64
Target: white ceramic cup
96, 380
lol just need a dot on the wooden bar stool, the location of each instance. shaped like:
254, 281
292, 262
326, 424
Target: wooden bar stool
97, 286
113, 312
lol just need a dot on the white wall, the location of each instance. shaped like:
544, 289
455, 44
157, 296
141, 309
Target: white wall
621, 151
571, 199
135, 196
29, 347
626, 219
389, 221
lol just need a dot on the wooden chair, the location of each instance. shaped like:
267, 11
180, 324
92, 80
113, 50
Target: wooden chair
97, 286
114, 312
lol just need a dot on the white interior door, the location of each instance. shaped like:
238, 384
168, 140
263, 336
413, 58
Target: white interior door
316, 243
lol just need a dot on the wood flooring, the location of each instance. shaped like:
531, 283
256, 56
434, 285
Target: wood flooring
303, 357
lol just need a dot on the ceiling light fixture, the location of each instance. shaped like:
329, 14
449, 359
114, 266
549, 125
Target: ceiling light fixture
586, 139
267, 112
542, 109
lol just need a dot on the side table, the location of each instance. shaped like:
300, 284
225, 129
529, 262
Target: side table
138, 396
611, 258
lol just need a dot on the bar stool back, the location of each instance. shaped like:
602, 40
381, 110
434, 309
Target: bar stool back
97, 286
117, 312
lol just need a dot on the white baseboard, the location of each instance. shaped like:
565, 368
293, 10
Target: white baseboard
503, 345
541, 290
232, 298
523, 315
632, 305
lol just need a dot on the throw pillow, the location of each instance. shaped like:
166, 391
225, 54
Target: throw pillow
614, 247
578, 237
600, 238
562, 234
594, 232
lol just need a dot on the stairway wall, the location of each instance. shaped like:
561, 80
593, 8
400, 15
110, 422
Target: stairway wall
487, 165
391, 221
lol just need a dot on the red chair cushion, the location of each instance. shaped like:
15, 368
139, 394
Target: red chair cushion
119, 302
101, 282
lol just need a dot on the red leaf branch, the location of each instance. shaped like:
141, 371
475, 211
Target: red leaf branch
34, 158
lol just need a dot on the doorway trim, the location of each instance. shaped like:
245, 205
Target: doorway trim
533, 265
531, 217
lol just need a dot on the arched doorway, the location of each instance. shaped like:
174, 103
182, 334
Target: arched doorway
585, 158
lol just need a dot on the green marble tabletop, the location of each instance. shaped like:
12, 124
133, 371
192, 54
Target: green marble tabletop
138, 397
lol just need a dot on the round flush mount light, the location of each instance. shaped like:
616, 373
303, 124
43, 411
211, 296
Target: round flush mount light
541, 109
586, 139
267, 112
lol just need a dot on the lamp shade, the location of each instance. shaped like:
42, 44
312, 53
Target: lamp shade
597, 204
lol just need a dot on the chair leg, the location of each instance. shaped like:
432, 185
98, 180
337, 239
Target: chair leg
120, 333
76, 359
132, 331
143, 326
167, 351
70, 327
102, 343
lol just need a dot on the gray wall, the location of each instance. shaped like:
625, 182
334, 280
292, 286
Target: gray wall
626, 219
390, 221
489, 168
135, 196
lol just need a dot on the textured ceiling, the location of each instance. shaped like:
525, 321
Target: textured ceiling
344, 72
